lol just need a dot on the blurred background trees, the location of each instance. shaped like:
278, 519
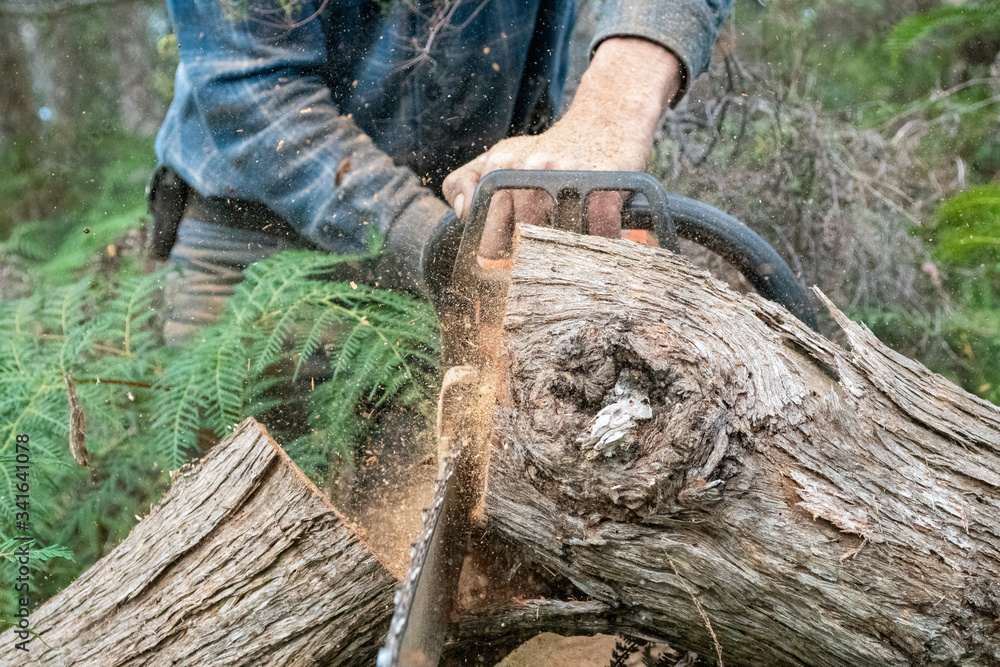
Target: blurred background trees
861, 137
84, 87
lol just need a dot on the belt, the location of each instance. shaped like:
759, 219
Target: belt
237, 214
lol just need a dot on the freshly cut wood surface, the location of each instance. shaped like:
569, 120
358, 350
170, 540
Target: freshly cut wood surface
810, 505
243, 563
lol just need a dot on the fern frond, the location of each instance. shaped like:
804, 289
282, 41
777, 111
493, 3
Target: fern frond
381, 346
282, 333
228, 370
76, 252
966, 20
126, 320
28, 240
310, 453
624, 648
10, 546
310, 344
969, 227
176, 420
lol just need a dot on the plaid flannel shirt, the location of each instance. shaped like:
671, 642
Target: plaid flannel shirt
337, 113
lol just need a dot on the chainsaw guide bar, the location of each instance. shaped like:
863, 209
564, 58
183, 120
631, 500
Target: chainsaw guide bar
426, 597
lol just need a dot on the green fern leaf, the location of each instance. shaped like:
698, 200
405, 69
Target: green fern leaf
965, 21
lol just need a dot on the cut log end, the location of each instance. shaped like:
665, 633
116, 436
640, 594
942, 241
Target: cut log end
244, 562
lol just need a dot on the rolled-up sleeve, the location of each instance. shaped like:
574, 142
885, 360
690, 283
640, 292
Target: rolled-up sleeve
277, 135
687, 28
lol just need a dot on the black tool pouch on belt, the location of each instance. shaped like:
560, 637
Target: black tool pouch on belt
167, 196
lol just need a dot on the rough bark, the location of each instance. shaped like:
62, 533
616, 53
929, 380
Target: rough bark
782, 501
813, 506
243, 563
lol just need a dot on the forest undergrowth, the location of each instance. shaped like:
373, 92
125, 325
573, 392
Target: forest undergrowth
870, 161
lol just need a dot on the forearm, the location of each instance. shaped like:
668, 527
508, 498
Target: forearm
628, 85
260, 123
609, 126
686, 28
644, 52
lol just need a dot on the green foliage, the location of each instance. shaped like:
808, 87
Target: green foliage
968, 230
93, 317
9, 548
78, 333
966, 244
963, 344
147, 406
881, 72
962, 341
958, 44
849, 120
93, 194
382, 347
949, 26
80, 189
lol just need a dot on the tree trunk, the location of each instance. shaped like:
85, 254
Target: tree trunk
20, 125
770, 498
139, 104
798, 503
18, 115
71, 73
243, 563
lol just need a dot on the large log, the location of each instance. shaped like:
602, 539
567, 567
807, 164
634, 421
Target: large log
774, 499
787, 502
243, 563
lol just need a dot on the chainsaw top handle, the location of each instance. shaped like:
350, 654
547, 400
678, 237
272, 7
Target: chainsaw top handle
669, 216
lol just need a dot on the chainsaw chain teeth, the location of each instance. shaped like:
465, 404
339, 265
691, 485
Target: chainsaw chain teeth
403, 600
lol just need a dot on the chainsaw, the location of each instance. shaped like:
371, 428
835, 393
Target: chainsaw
473, 300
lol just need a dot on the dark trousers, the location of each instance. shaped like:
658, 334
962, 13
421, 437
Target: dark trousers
208, 262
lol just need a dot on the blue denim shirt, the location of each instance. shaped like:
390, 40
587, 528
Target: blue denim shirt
337, 114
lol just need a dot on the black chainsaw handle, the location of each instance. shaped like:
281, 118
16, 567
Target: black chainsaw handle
569, 191
669, 216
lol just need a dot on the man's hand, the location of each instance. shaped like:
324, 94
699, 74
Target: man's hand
609, 126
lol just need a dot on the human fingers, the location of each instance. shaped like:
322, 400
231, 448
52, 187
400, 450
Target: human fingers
604, 212
499, 229
459, 186
532, 207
